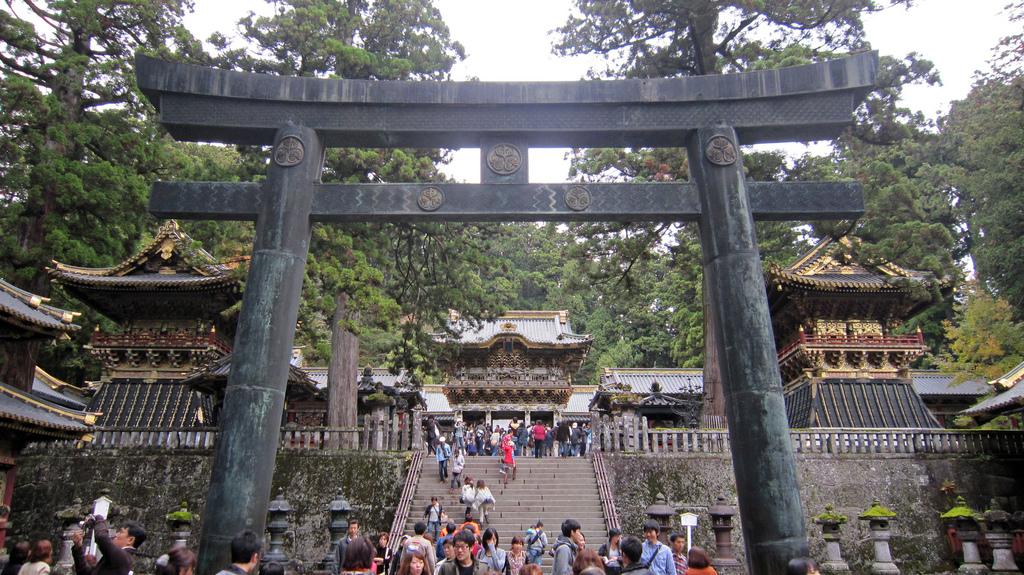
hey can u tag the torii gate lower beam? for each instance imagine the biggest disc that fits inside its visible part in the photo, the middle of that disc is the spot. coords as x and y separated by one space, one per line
300 116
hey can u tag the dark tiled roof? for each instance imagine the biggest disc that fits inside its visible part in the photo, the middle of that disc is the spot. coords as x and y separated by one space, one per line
938 383
165 404
538 327
27 311
640 380
214 377
874 404
25 412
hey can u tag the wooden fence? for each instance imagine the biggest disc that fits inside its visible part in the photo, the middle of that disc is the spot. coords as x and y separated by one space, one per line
611 435
373 435
632 434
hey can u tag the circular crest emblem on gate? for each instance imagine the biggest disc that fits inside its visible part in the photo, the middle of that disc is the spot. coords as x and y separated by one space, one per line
430 199
504 159
577 198
721 151
289 152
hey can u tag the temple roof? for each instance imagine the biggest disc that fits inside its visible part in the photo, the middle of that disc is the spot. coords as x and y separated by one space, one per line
831 266
932 383
1014 396
1010 378
861 403
161 404
642 379
56 391
550 329
213 378
32 414
381 375
25 315
579 401
435 400
169 264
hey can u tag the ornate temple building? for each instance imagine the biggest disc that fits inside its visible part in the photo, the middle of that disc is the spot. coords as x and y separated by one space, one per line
46 408
843 361
171 302
520 365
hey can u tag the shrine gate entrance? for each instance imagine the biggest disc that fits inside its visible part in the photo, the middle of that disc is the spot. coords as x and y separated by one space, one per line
710 115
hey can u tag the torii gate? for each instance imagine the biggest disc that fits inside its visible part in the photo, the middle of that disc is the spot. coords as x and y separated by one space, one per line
710 115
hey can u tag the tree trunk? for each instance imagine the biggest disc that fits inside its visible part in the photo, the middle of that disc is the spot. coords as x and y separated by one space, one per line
18 363
714 396
342 371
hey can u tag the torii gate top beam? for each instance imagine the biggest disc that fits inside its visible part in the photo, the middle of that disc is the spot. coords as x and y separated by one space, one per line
799 103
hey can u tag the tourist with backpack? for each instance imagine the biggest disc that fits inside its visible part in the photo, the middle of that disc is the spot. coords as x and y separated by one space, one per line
536 543
458 464
656 555
443 453
539 433
566 547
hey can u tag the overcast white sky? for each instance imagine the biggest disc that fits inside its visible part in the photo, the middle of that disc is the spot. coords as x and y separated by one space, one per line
511 41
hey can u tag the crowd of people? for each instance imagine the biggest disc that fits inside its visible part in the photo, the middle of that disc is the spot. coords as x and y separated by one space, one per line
463 549
573 439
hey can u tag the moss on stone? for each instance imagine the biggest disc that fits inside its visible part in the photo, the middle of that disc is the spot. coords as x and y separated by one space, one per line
830 516
961 511
877 511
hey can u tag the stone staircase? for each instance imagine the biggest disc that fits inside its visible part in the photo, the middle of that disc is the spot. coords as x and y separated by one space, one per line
550 489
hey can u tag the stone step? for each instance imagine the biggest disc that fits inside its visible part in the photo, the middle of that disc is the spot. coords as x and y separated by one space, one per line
534 499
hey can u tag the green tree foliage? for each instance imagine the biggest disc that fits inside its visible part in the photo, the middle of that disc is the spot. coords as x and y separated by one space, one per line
891 150
76 148
394 281
984 135
985 339
661 38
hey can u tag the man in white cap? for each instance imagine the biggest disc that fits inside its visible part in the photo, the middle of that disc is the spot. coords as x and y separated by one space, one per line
443 453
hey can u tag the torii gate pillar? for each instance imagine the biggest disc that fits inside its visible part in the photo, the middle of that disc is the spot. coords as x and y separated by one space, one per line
762 456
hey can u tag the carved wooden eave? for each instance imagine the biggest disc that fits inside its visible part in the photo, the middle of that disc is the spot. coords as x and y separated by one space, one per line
169 277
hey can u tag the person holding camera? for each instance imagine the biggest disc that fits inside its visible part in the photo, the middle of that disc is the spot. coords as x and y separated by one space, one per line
118 551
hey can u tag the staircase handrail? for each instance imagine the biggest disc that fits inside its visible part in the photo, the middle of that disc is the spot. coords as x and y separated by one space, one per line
611 516
412 479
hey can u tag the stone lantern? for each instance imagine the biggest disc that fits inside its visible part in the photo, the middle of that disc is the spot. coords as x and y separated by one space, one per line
338 512
997 532
69 519
831 527
880 520
179 524
277 524
662 513
965 521
721 522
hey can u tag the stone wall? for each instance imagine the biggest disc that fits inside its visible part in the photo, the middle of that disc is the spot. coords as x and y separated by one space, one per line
909 485
148 484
